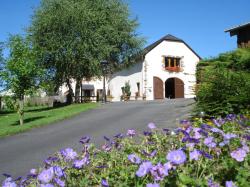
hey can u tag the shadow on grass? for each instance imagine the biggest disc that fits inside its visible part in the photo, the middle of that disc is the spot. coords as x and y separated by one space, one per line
27 120
5 112
48 108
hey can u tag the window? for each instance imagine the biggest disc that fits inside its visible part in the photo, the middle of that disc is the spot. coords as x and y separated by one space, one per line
172 64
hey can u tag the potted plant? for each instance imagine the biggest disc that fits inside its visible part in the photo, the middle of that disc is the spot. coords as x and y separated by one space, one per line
127 91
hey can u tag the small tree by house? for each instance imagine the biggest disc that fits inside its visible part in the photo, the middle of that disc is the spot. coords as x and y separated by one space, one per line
19 72
127 91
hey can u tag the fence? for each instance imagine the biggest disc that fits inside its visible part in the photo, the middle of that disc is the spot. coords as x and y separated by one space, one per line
37 101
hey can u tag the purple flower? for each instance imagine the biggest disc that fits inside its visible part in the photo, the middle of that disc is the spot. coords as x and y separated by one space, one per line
59 182
49 161
106 138
58 171
152 154
190 145
185 122
182 131
80 163
101 167
168 166
85 148
211 183
230 184
151 126
205 126
8 182
247 137
245 148
152 185
229 136
189 129
203 132
104 183
134 158
106 147
209 142
146 133
144 168
166 130
69 154
159 172
33 172
193 140
225 142
194 155
197 134
216 130
84 140
7 175
131 132
46 175
218 122
231 117
239 154
119 135
203 153
177 157
212 145
116 144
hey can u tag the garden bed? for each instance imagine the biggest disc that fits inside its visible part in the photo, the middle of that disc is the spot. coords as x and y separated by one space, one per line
215 153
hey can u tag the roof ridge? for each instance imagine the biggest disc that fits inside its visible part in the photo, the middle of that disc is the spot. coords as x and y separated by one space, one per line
167 37
237 26
170 36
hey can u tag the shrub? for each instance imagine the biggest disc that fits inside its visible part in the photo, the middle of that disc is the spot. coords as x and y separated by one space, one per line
127 89
224 83
211 154
9 102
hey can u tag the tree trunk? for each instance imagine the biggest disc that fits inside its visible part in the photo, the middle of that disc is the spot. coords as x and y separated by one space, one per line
70 94
20 110
77 90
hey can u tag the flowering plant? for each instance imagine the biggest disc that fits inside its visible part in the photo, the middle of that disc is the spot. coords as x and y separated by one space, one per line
174 69
215 153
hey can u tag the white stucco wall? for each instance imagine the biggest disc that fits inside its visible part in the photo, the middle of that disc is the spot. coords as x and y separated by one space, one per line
117 81
97 83
154 61
154 65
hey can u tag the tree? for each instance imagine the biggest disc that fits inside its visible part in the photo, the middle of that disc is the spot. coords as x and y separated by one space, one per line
73 36
1 61
20 71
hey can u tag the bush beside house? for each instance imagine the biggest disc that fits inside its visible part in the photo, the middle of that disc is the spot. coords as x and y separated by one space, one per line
224 83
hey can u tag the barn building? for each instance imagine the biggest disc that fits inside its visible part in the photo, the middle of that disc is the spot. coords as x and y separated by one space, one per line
167 70
243 34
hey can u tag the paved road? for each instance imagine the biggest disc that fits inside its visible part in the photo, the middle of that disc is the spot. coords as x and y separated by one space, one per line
22 152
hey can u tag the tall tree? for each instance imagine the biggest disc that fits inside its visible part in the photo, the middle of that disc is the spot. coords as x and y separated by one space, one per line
1 62
73 36
20 72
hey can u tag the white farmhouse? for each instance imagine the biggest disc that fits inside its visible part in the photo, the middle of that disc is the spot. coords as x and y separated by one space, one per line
167 70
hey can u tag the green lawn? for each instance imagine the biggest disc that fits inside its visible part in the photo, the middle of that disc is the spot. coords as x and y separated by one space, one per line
38 116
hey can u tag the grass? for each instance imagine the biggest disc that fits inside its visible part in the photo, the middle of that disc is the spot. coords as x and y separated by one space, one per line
38 116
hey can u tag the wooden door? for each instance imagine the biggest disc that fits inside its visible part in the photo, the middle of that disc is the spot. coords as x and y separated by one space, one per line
158 88
179 88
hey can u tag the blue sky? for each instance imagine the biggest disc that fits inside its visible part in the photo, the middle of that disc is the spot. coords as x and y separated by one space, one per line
200 23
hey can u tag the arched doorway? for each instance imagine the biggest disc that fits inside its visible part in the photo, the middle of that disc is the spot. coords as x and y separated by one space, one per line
174 88
158 88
